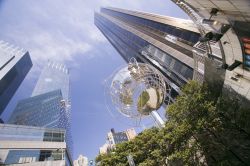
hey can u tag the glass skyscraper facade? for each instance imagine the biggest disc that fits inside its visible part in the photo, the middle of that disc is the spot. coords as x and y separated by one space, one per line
15 63
164 42
45 110
49 105
54 76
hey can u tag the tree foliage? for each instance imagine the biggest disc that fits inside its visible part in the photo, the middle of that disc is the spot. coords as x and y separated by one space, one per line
202 129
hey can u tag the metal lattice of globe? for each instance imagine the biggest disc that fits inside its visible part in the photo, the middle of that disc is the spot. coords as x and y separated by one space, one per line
136 90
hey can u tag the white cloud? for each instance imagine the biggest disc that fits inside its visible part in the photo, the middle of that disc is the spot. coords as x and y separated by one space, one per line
61 29
56 47
96 35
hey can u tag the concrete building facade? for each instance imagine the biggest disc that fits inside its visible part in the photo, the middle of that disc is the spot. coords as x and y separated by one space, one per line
114 138
229 20
26 145
81 161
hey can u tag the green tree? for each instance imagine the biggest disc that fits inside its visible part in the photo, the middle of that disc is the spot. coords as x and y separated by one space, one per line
216 133
203 128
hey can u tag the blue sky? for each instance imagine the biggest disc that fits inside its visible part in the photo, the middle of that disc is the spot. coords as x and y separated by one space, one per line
64 31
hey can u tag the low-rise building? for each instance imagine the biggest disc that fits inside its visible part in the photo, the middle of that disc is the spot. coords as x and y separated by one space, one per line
114 138
27 145
81 161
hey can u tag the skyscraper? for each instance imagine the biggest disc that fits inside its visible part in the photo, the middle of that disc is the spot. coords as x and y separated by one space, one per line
44 110
49 105
15 63
164 42
53 77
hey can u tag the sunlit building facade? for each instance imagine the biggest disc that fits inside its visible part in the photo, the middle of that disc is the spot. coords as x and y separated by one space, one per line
54 76
15 63
114 138
27 145
81 161
104 149
164 42
49 105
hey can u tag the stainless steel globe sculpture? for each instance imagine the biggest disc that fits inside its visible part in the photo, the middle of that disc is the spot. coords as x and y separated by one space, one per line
136 90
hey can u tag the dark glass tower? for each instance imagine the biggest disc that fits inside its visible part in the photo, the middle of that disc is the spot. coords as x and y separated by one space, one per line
49 105
15 63
164 42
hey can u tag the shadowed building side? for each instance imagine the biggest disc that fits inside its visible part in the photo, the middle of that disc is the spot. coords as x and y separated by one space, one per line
15 63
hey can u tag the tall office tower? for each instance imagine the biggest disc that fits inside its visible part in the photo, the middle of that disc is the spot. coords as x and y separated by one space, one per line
28 146
15 63
164 42
49 105
114 138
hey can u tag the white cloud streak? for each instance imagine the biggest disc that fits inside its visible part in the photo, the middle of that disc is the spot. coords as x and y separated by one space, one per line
60 30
